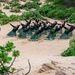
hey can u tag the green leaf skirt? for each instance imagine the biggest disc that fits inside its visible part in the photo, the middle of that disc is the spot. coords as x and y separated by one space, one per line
50 37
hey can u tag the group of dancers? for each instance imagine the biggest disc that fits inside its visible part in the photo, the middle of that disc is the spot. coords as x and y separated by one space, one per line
35 29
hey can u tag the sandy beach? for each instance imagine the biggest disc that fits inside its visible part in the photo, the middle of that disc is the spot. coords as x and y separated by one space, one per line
39 53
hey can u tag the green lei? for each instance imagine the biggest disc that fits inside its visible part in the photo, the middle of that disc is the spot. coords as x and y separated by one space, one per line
67 30
52 31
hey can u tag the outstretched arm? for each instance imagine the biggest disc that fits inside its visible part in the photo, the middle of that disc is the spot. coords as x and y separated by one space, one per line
26 20
21 24
65 27
58 24
12 25
69 25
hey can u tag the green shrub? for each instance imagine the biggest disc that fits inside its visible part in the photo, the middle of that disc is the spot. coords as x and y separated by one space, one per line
31 15
45 9
51 14
72 42
16 9
36 0
60 2
49 10
6 58
57 2
71 50
60 14
6 7
23 0
69 11
30 5
14 18
2 0
72 18
52 11
13 4
4 19
1 11
61 7
47 1
39 3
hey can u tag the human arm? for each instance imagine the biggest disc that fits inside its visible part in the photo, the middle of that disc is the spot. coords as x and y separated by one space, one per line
12 25
69 25
65 27
26 20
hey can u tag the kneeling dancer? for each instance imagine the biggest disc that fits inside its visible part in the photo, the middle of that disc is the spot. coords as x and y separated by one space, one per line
52 34
68 32
23 33
37 33
13 31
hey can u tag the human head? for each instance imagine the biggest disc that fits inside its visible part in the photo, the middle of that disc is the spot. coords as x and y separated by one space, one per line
55 22
17 26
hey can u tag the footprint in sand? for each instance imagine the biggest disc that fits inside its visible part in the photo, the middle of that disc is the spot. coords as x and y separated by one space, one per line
24 42
39 41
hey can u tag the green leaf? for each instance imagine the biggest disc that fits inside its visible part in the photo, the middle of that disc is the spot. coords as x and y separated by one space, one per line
2 48
0 60
7 59
16 53
9 46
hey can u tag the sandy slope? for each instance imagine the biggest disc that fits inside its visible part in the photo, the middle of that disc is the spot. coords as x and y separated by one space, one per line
38 53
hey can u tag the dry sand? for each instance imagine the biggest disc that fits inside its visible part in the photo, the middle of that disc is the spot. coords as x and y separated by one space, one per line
40 54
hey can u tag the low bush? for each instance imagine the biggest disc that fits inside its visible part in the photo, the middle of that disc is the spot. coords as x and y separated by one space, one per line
31 15
1 11
45 9
36 0
53 11
2 0
72 42
6 7
57 2
60 14
14 18
51 14
69 11
16 9
23 0
4 19
30 5
71 50
72 18
13 4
